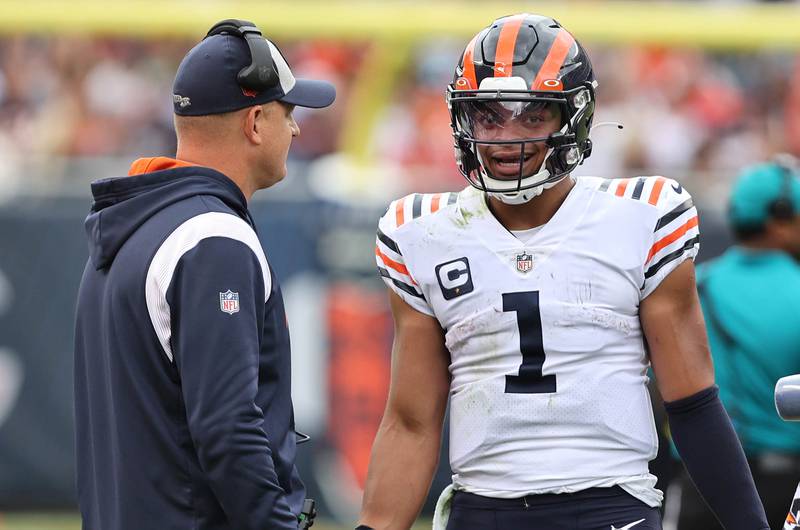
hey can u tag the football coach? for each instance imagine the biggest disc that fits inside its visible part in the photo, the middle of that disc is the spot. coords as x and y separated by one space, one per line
183 403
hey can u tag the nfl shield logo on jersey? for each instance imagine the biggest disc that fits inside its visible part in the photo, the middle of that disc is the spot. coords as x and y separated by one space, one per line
524 262
229 302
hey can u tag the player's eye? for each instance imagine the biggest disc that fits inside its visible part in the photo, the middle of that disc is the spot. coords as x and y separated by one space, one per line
533 118
487 119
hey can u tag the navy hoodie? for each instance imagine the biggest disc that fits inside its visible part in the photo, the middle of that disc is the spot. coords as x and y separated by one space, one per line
182 367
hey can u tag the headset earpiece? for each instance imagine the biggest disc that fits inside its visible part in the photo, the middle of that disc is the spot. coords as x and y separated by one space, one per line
261 74
783 207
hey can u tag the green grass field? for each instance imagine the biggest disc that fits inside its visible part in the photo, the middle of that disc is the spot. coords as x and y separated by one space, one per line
28 521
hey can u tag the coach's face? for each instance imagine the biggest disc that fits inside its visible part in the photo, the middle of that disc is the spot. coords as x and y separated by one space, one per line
513 121
276 128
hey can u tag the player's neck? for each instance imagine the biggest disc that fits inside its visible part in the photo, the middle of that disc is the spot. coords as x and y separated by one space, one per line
535 212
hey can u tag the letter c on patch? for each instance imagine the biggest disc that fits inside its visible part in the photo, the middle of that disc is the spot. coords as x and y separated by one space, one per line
454 278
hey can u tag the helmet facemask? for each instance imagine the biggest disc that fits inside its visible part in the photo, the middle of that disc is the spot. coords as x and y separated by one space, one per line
499 134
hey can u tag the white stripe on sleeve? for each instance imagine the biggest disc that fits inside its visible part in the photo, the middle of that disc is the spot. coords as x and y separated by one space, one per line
183 239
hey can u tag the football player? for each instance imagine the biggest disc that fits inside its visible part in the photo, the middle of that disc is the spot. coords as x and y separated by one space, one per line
537 301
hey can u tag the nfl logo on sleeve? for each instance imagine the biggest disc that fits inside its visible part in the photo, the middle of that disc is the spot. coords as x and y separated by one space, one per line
229 302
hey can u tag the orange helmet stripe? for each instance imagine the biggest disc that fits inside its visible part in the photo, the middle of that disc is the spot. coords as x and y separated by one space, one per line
506 42
554 60
469 66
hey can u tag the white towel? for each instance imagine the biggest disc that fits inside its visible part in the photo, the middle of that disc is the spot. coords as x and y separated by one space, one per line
442 512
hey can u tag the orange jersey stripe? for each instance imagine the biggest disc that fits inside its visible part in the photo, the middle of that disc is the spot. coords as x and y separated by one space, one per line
656 192
506 42
621 187
389 262
469 66
435 202
671 238
554 61
400 212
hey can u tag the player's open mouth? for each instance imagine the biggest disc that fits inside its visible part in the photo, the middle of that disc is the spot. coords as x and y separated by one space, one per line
507 164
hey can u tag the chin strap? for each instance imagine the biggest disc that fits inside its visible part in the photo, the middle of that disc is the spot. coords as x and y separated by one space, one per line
523 196
517 197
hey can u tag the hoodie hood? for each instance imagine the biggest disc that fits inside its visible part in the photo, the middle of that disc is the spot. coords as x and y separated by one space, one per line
121 205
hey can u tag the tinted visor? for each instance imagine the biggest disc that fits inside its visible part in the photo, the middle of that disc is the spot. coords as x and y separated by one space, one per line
498 120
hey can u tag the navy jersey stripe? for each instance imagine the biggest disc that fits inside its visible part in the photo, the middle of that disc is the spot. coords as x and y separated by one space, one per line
452 198
674 214
637 191
416 210
400 285
388 242
671 256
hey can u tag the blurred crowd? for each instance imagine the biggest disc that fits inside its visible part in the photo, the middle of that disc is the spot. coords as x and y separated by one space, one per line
687 113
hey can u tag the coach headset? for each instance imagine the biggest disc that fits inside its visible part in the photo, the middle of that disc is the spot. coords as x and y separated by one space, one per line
783 207
261 74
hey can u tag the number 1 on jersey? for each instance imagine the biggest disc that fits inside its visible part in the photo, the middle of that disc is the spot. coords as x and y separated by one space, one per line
529 321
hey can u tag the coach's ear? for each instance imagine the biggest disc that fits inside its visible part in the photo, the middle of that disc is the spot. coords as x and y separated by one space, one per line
252 124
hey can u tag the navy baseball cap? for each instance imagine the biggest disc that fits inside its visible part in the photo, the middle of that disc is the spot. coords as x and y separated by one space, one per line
208 78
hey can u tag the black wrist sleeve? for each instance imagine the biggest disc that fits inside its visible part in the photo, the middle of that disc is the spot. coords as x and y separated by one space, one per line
713 456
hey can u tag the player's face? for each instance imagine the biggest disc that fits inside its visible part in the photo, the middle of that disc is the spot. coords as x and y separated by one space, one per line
513 121
279 128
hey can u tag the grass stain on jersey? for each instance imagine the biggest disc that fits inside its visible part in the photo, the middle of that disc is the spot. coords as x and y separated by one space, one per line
467 214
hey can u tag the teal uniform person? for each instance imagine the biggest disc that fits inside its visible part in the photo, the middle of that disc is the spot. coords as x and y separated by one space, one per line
751 302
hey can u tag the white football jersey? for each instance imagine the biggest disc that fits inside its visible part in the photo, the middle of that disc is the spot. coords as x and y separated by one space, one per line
547 356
